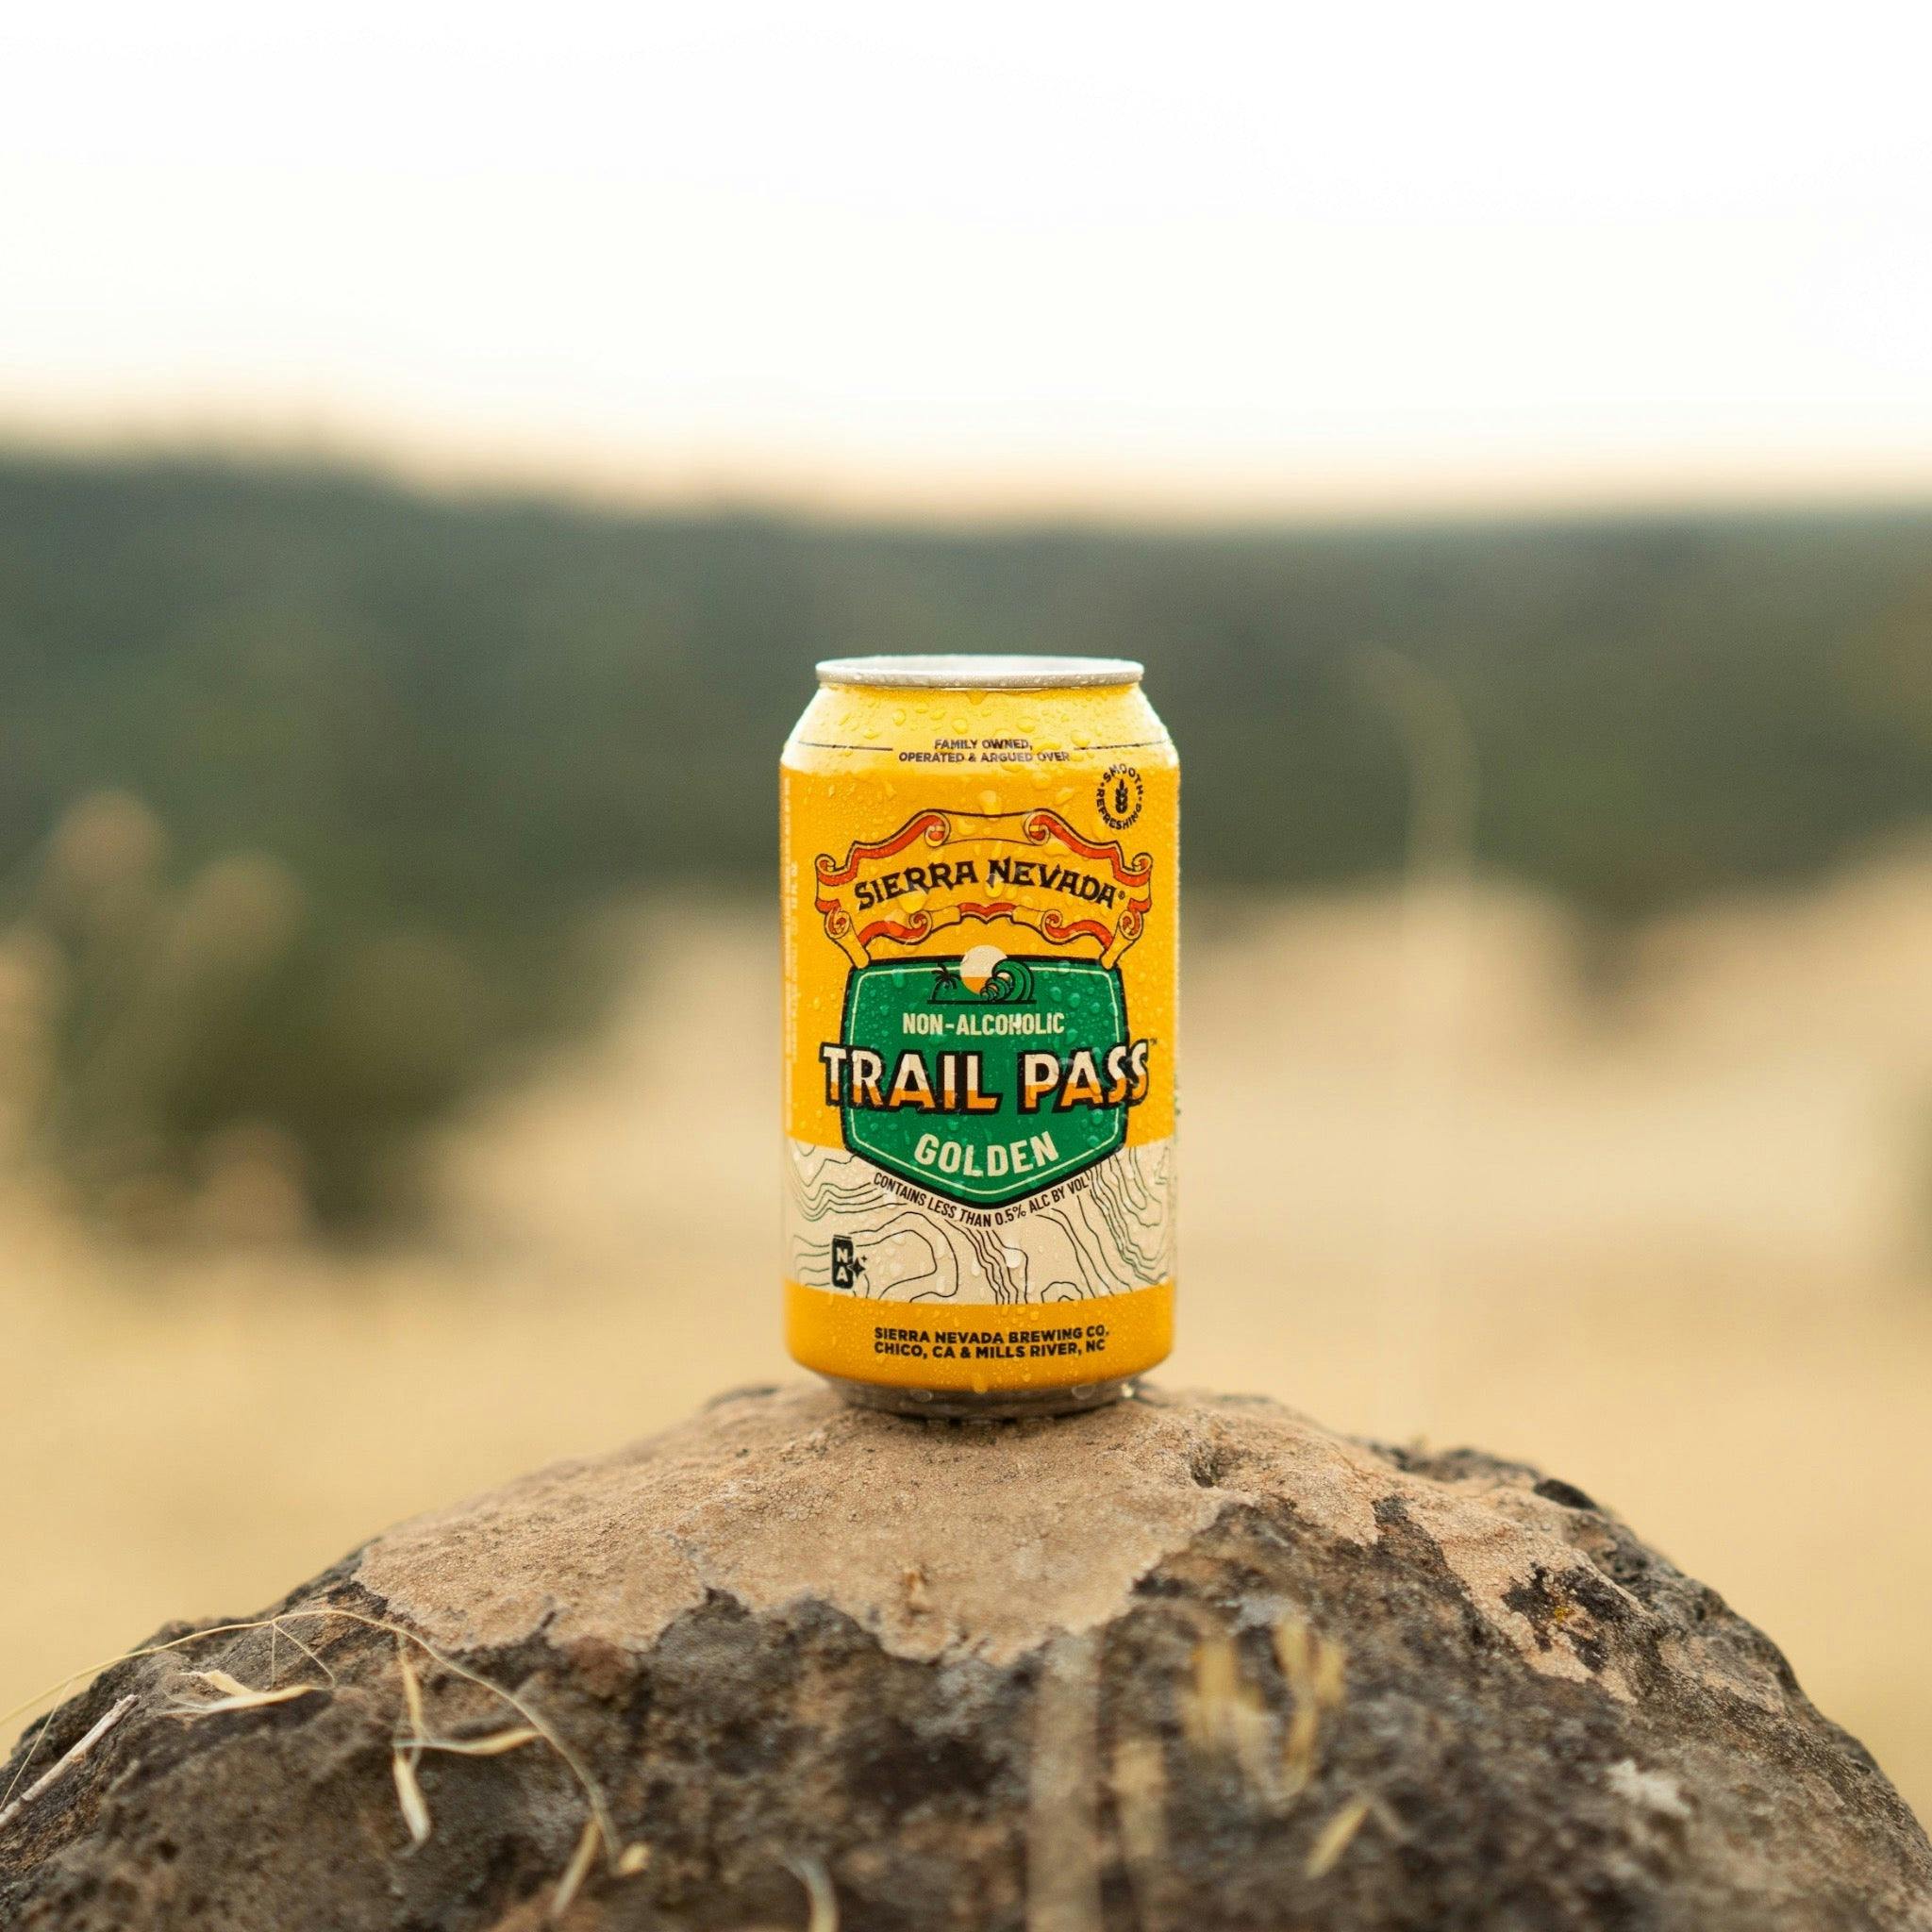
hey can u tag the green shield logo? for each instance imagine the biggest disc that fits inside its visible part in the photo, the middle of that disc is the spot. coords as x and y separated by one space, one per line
982 1040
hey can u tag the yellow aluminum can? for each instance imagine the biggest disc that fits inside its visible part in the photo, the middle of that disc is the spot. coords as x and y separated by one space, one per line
980 882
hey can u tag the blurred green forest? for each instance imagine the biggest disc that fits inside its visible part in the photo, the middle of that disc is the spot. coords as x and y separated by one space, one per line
365 761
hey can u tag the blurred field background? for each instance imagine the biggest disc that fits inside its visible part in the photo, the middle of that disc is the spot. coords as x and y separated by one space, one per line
434 447
390 1007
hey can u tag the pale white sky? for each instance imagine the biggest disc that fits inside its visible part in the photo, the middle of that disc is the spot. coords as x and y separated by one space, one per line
1284 255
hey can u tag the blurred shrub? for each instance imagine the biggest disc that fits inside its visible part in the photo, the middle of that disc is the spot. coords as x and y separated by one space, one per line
203 1053
438 733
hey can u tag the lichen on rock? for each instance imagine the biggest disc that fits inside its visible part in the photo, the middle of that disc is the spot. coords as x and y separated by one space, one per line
1190 1661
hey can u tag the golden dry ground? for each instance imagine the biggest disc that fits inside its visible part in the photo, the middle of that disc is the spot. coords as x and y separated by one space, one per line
1671 1239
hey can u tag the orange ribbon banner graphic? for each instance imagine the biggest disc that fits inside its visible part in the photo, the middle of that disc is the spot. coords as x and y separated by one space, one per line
943 868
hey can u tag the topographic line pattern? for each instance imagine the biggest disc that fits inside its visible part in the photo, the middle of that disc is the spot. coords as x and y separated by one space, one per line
1108 1231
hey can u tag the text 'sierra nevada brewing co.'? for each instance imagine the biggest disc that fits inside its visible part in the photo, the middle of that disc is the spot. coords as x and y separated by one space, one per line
981 918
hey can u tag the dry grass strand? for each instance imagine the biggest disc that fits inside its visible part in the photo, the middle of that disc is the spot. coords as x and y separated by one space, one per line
68 1759
1334 1838
415 1806
581 1860
493 1745
229 1687
605 1826
811 1872
1140 1794
314 1656
235 1696
1314 1669
412 1689
1224 1712
1139 1790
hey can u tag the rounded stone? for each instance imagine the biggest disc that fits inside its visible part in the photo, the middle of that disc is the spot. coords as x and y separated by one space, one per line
1191 1662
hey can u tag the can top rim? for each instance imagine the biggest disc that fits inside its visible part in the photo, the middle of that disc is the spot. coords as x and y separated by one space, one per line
979 672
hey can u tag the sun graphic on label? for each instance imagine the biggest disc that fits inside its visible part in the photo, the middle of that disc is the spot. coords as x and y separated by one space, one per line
979 965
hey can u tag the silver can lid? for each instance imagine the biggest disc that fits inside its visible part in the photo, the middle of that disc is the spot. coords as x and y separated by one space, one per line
972 673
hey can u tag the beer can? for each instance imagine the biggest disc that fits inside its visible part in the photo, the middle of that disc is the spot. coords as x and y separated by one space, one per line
979 879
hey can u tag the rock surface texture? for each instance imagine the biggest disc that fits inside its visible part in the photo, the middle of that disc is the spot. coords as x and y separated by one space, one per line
1191 1662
